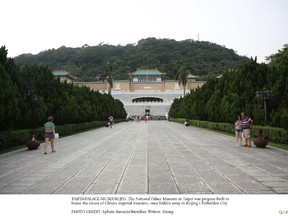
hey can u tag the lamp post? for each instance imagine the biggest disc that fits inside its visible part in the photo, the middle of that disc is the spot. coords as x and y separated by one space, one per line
31 103
264 95
29 98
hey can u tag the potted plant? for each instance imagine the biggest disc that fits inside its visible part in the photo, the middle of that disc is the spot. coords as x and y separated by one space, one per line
33 143
187 123
261 141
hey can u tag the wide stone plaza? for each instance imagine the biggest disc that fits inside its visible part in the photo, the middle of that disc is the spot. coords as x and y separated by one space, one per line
157 157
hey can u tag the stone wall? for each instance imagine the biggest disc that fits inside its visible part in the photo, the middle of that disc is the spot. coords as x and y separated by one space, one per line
156 108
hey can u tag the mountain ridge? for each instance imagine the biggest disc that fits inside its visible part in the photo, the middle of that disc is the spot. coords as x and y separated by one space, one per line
88 62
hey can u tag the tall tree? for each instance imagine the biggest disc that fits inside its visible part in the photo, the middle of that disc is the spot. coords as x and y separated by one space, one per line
9 94
107 75
278 81
31 93
182 74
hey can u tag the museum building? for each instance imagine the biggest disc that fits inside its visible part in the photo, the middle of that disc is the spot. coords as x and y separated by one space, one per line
147 92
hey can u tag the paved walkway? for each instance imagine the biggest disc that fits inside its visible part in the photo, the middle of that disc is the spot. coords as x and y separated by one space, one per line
157 157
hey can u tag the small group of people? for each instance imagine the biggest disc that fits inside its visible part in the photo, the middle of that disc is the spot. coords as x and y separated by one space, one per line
138 118
243 126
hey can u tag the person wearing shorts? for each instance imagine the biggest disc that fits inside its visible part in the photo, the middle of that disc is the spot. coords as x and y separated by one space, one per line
238 130
49 134
247 125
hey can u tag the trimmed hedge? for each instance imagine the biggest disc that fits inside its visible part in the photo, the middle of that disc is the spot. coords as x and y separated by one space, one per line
12 138
278 135
19 137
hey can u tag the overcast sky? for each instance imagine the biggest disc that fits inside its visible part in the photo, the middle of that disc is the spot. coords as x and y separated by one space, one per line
250 27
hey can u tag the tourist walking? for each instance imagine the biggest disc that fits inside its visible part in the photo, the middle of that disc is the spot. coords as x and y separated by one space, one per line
49 135
247 125
145 118
238 130
110 119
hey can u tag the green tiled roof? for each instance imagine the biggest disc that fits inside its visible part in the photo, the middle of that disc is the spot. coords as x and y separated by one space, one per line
63 73
59 73
147 72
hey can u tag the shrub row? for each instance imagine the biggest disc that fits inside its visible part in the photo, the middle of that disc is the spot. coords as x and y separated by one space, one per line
13 138
19 137
278 135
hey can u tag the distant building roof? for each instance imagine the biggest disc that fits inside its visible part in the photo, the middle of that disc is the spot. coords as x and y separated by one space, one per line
63 73
190 76
147 72
60 73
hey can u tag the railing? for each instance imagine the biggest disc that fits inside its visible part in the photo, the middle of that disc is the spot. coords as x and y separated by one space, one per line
147 92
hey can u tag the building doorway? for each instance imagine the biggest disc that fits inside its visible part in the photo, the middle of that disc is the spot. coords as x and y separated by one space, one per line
147 112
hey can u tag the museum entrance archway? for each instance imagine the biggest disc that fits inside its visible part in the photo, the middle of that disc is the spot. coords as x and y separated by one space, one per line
147 100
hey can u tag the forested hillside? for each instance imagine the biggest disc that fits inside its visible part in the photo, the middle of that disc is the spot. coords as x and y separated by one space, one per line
220 100
88 62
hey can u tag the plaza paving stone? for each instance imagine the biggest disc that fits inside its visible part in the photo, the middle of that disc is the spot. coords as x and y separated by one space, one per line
157 157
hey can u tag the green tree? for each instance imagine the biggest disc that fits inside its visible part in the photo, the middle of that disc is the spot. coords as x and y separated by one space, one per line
9 94
9 97
35 93
87 62
221 99
182 74
278 83
108 75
